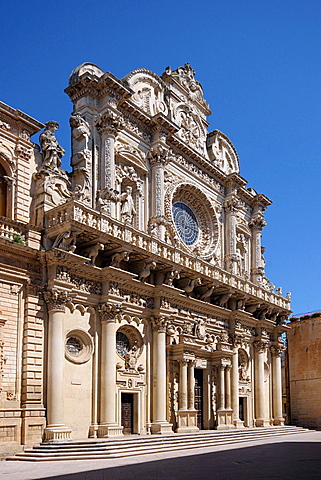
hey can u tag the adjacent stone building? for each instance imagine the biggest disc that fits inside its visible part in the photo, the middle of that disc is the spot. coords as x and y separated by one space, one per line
304 353
134 298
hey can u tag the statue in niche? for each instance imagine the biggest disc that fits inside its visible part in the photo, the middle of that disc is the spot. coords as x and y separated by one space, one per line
51 150
127 206
131 358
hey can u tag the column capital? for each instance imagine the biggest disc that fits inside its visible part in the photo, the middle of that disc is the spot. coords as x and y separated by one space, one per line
159 324
277 350
110 312
257 222
109 123
183 362
158 155
260 347
231 204
56 299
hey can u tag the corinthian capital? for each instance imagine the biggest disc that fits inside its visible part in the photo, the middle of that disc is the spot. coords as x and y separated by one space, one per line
276 350
159 323
231 204
257 222
110 312
109 123
158 155
260 347
56 299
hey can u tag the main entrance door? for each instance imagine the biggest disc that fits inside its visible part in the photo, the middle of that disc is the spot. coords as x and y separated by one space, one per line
127 401
198 396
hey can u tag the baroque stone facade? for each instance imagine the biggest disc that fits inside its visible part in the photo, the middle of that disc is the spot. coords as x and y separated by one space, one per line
134 293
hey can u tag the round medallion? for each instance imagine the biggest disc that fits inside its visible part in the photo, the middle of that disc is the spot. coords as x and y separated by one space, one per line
78 346
186 223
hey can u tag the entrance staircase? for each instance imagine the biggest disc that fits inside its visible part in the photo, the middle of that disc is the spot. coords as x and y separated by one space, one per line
91 449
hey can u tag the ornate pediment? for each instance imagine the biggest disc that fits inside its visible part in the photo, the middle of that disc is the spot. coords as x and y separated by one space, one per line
148 91
222 152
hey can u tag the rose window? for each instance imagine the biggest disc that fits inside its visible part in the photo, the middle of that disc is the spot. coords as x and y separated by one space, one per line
186 223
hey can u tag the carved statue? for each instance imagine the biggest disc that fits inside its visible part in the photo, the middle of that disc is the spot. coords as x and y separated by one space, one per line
65 241
127 205
188 289
80 127
51 150
148 266
131 358
207 294
224 299
279 290
171 276
92 252
119 257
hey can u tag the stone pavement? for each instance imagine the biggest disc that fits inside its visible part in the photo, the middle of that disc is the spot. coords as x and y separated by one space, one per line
285 458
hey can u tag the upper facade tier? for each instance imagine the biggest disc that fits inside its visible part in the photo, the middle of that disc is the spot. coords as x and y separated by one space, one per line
144 163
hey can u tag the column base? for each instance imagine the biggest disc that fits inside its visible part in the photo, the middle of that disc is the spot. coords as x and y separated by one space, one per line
162 428
224 420
238 423
187 421
262 422
113 430
279 421
57 434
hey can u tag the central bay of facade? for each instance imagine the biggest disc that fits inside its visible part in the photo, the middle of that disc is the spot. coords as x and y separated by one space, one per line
161 318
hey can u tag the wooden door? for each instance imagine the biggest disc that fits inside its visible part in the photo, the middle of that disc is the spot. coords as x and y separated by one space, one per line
127 402
198 396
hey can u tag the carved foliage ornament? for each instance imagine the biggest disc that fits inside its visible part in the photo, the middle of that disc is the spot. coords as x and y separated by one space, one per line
56 299
110 312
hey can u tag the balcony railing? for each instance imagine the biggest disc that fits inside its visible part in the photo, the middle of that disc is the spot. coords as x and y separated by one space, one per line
77 214
20 233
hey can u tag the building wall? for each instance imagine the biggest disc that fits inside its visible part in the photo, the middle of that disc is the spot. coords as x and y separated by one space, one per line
304 345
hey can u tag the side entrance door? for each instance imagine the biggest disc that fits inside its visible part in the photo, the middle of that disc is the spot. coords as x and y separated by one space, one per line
198 396
127 402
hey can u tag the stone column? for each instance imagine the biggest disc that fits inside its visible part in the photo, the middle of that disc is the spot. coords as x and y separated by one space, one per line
191 385
158 157
235 388
228 387
183 384
108 426
159 422
257 268
231 206
276 352
56 429
260 349
108 125
221 403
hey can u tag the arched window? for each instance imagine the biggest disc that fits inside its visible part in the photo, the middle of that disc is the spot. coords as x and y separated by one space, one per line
3 192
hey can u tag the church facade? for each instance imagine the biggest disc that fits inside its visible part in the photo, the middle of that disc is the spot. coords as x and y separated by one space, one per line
134 297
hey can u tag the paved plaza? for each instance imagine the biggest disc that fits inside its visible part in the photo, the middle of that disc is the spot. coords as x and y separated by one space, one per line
285 458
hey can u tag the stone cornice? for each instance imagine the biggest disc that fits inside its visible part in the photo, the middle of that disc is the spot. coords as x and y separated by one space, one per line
17 115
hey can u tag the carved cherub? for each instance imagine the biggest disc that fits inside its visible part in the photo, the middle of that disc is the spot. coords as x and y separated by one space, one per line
65 241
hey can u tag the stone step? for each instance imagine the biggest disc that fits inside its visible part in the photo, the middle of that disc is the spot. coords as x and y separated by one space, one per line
85 450
161 441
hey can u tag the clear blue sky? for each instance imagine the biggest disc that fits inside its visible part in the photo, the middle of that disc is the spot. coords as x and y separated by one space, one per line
259 64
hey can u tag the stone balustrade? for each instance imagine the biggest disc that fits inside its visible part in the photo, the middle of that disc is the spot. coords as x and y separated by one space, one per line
78 214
